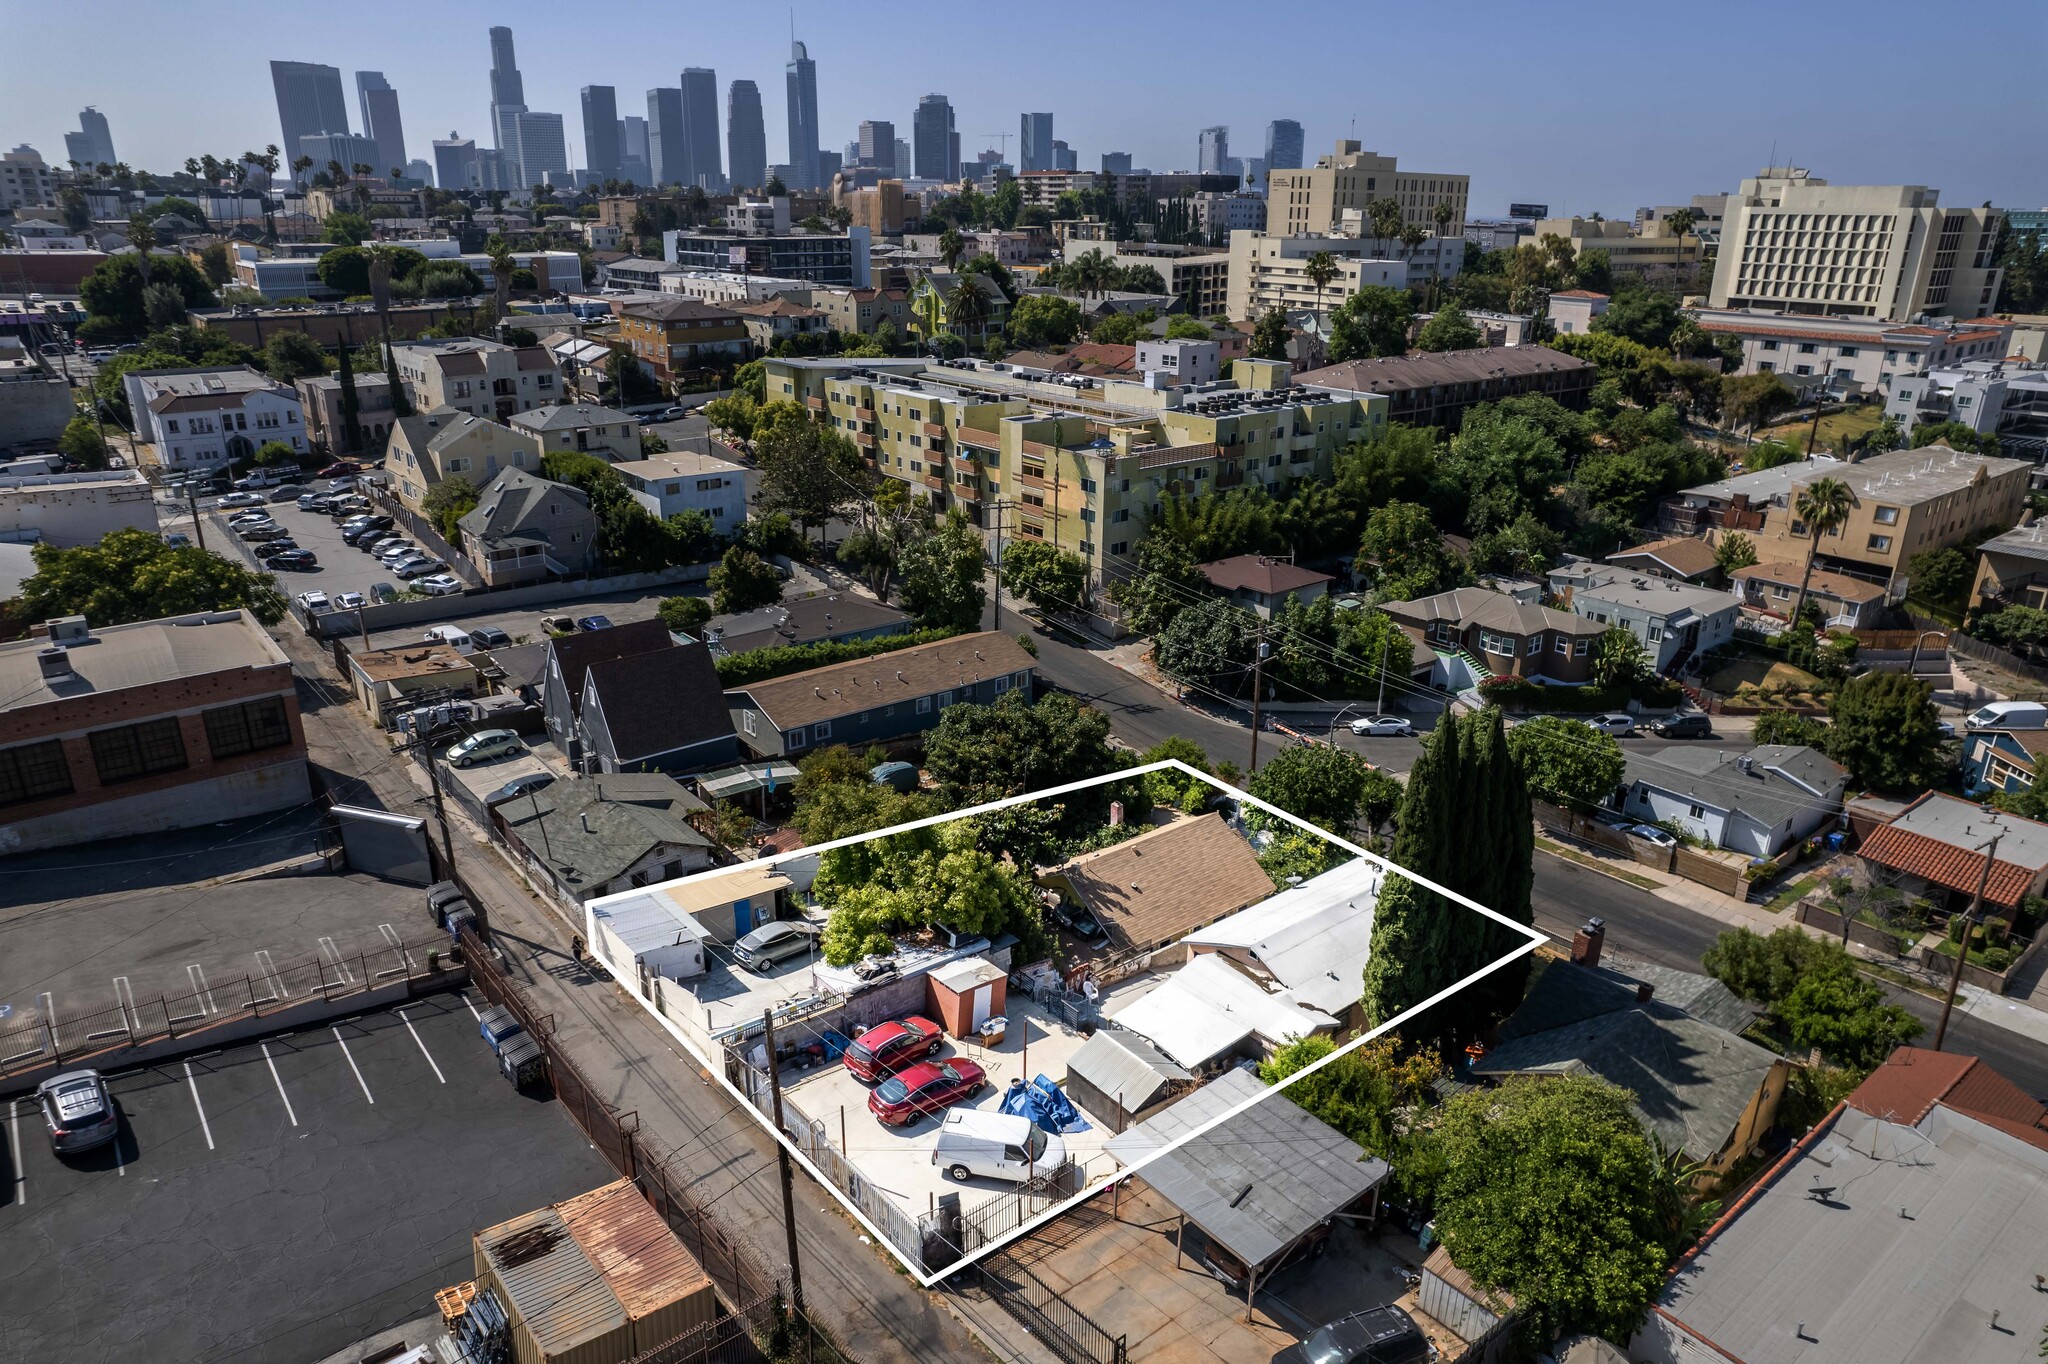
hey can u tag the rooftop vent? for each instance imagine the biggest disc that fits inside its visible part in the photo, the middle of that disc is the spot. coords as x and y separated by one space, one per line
55 662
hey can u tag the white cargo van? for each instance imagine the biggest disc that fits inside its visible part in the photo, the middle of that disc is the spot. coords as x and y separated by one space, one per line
454 636
995 1146
2009 715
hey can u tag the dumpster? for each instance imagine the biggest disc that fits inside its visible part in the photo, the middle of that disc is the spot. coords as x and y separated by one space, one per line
498 1027
459 919
523 1062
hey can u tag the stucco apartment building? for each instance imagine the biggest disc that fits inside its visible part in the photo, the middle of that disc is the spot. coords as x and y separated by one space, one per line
675 336
1855 356
196 418
1902 503
1085 467
1312 199
1268 271
1196 274
683 480
863 310
320 400
133 729
1435 390
482 378
74 508
2012 569
1651 250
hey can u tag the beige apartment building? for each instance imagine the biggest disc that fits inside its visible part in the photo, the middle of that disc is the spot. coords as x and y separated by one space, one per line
1791 241
1194 273
482 378
1267 272
428 447
1082 466
1651 250
1312 199
1903 502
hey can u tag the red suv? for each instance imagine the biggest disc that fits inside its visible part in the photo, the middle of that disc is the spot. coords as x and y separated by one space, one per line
886 1048
927 1087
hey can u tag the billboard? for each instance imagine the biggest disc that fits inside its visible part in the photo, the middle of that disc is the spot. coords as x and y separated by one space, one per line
1531 211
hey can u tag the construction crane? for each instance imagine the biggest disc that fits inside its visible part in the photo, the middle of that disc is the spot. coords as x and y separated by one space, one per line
1002 143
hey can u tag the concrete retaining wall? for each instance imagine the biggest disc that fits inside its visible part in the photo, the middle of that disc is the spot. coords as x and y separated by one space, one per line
331 624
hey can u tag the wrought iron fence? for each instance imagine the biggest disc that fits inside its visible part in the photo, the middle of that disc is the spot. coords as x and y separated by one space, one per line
1039 1308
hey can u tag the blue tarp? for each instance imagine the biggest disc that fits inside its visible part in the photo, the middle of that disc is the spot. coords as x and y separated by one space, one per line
1045 1104
835 1044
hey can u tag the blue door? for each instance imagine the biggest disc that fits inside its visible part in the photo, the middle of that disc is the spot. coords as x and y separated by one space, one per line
742 918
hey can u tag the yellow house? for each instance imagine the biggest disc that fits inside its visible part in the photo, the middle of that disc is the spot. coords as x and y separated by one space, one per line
431 446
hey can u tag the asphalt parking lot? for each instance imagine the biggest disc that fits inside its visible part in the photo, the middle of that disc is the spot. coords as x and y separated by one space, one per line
341 567
278 1200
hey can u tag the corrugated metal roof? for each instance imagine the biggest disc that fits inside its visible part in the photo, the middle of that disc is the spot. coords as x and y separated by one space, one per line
633 1249
647 921
557 1293
1124 1066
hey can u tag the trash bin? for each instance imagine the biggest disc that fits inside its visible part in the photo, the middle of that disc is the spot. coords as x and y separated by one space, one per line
994 1030
498 1027
523 1062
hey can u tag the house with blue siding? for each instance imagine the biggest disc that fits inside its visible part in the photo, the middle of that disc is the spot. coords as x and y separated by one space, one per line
2001 759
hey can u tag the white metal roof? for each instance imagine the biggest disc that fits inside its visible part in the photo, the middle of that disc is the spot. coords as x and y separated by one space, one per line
1313 938
963 975
646 922
1207 1007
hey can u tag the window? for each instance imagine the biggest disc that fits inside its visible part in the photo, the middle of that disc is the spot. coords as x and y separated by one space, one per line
1656 634
945 699
172 426
1807 348
1087 485
796 737
747 721
1120 547
1879 544
1496 644
1535 645
33 771
1770 345
1579 647
1886 516
1846 352
1766 367
1002 685
247 728
138 750
821 731
1564 646
924 705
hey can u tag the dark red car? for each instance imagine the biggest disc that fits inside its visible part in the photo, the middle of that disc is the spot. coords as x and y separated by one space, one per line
339 468
888 1047
927 1087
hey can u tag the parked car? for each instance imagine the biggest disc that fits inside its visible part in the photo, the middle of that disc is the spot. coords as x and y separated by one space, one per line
258 479
270 549
1653 835
1945 728
242 500
558 625
1077 919
1690 724
1382 726
520 786
382 593
345 508
78 1111
266 531
1618 724
341 485
593 623
772 942
314 502
353 534
250 518
673 414
1378 1335
483 746
2009 715
394 548
373 540
177 539
348 601
454 636
418 568
338 468
888 1047
313 601
439 584
1006 1146
295 558
489 637
289 492
927 1087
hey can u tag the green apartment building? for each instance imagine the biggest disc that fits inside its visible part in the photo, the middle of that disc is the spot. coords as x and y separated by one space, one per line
1082 463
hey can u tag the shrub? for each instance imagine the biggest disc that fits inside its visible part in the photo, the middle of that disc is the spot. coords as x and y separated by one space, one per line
759 665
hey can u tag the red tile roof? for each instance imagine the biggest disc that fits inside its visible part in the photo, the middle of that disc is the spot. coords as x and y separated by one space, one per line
1945 864
1913 1080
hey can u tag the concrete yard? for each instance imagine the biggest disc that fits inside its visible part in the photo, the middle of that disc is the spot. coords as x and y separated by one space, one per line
898 1160
278 1200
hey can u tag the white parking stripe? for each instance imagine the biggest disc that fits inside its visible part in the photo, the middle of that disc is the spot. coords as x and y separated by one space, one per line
124 995
200 988
204 1125
340 967
352 1064
49 1010
397 944
280 1085
423 1047
14 1140
277 985
472 1008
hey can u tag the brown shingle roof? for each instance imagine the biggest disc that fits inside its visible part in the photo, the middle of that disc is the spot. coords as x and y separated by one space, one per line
848 688
1156 888
1257 573
1824 583
1682 554
1400 373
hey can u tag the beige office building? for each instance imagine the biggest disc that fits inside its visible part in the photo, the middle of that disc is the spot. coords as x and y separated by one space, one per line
1312 199
1649 250
1795 243
1271 272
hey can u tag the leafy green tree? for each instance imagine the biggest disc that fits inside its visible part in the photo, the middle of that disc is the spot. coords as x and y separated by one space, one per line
742 581
1330 787
1956 436
1406 552
447 502
1050 578
290 355
1769 454
1790 727
1165 577
1181 327
1525 548
1398 463
942 575
684 615
1736 550
733 414
1449 329
1940 575
1814 995
1177 790
885 886
1619 659
133 575
807 470
1218 525
275 453
1752 400
1372 322
346 229
1551 1191
345 269
1465 791
1645 316
1207 645
1567 762
1295 857
984 753
1269 337
1041 320
1882 728
114 293
1375 1095
82 444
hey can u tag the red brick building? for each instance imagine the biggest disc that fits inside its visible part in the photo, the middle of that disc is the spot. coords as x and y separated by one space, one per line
138 728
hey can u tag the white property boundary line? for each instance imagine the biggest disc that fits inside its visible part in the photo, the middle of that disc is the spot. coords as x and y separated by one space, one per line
715 1066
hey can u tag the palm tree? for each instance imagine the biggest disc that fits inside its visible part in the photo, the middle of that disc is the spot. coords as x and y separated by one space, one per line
1680 221
1385 217
1320 269
952 248
1443 215
502 266
1823 505
966 306
361 182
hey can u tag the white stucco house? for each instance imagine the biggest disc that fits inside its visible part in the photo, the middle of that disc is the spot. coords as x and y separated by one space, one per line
198 418
1674 620
1757 803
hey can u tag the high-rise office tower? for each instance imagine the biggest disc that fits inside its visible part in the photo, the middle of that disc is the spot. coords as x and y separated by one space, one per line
1064 158
508 91
1283 145
455 162
829 165
92 143
700 129
878 144
420 169
902 158
667 148
1034 142
1116 163
1215 150
381 123
543 149
601 131
310 102
746 138
801 76
634 163
931 129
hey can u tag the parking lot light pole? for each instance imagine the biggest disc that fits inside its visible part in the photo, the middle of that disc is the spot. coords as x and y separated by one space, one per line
796 1277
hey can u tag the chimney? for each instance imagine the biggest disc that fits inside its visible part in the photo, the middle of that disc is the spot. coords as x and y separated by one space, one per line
1116 814
1587 941
55 662
1643 991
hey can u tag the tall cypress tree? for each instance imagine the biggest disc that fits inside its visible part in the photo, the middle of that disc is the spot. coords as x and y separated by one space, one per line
401 406
351 428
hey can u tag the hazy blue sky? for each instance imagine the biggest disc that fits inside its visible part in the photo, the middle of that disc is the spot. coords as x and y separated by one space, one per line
1583 106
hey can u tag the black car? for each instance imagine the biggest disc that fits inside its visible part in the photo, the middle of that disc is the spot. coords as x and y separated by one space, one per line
1077 919
518 786
294 558
270 549
354 534
489 637
1691 724
370 541
1378 1335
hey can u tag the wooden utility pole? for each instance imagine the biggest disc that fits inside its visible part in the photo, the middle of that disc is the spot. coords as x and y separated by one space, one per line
796 1277
1258 691
1955 977
192 504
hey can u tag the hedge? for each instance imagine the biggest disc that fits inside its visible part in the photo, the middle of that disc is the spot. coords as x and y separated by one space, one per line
758 665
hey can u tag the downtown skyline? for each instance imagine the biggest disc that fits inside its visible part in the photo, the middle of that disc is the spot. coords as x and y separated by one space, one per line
1575 144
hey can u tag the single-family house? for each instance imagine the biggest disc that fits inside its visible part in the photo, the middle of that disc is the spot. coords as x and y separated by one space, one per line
1150 891
1936 847
524 528
1758 802
1674 621
876 700
659 710
387 681
585 428
815 618
687 480
771 321
2002 759
608 833
1308 943
1773 589
1262 585
2012 568
432 446
1686 558
1476 633
570 657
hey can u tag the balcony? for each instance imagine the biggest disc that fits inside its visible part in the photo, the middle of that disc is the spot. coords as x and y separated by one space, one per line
966 464
862 438
815 404
866 414
1230 478
936 482
982 440
935 431
967 492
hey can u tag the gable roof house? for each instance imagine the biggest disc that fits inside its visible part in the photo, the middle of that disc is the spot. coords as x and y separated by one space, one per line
608 833
1262 585
1683 557
1772 589
1674 621
443 442
1759 802
524 529
662 710
2002 759
1150 891
1477 633
875 700
818 617
586 428
570 657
